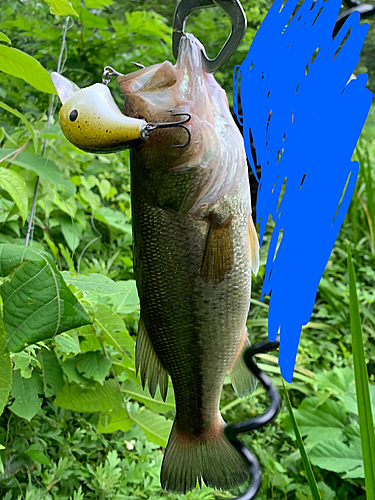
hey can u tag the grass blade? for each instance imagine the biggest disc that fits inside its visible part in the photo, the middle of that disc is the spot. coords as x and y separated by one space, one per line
366 422
305 459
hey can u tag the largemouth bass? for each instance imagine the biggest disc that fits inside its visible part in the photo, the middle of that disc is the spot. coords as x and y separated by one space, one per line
194 248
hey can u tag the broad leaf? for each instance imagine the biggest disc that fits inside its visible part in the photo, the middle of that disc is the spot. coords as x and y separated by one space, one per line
93 365
318 423
19 64
25 392
128 301
46 169
155 404
15 185
114 331
52 375
61 8
67 344
5 369
37 455
116 420
337 381
350 400
156 427
37 303
103 398
336 456
70 369
113 218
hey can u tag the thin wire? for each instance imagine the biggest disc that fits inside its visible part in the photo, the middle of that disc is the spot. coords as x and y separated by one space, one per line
30 226
89 243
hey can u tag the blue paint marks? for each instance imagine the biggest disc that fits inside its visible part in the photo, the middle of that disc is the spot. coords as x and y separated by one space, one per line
305 119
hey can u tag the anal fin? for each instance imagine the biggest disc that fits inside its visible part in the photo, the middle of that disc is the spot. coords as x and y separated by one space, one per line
148 363
243 381
218 252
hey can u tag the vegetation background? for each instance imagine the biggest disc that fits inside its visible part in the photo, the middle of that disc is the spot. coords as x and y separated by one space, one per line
77 424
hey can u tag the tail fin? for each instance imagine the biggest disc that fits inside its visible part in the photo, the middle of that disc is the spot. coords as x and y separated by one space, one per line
209 457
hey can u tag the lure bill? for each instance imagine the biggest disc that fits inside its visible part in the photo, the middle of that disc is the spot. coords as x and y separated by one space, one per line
195 247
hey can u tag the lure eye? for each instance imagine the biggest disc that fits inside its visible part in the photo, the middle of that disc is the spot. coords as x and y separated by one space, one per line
73 115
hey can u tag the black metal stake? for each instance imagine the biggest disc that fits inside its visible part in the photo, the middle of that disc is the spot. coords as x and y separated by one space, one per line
255 423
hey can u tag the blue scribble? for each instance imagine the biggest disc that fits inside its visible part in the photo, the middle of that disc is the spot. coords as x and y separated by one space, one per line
305 120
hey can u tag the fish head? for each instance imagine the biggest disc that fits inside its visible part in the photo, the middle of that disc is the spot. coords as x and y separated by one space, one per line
160 92
91 120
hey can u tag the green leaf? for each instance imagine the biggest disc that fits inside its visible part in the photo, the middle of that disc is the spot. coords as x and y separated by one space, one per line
336 456
15 185
67 344
306 463
72 232
46 169
113 218
5 369
350 400
366 422
97 4
37 455
52 375
102 398
15 112
116 420
4 38
127 301
156 427
155 404
318 423
114 330
17 63
93 365
37 303
61 8
70 369
98 284
25 392
337 381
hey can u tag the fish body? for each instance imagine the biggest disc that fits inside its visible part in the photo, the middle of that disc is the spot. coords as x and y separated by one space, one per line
194 248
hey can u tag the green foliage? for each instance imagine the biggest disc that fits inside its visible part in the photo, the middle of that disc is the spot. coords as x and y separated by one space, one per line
77 423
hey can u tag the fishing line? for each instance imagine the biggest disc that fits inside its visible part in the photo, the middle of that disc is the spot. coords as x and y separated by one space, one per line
30 226
258 422
89 243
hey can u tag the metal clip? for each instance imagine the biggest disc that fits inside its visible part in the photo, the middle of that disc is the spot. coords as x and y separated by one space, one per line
236 14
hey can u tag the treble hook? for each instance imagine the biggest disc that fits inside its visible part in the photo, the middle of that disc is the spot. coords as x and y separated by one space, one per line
232 8
256 423
150 127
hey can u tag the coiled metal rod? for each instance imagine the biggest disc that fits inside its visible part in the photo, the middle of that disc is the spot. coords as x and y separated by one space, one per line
255 423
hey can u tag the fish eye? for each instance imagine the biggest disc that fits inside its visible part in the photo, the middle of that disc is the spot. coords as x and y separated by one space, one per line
73 115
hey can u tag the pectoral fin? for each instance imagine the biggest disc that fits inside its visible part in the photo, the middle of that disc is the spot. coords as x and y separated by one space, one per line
243 381
218 253
148 363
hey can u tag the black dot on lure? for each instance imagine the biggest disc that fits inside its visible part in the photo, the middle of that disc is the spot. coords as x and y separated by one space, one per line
73 115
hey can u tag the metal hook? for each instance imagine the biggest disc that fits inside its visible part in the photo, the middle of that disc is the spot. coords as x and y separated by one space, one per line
150 127
236 14
108 72
256 423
